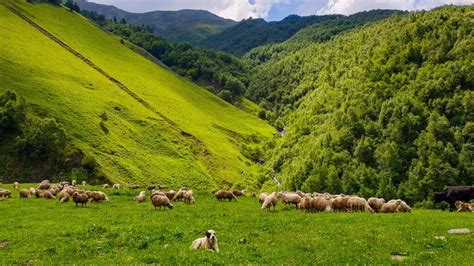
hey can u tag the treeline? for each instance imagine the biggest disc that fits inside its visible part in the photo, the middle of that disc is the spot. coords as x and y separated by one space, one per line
33 147
251 33
223 74
385 110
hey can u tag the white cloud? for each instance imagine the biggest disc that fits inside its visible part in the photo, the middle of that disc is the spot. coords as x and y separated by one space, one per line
347 7
233 9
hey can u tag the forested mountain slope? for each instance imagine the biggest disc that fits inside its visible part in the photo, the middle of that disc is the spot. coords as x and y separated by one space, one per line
385 110
175 26
132 120
251 33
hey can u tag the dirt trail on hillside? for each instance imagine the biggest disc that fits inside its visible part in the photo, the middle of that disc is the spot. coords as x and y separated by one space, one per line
94 66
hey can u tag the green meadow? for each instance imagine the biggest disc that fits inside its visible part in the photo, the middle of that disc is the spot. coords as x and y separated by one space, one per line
40 231
195 140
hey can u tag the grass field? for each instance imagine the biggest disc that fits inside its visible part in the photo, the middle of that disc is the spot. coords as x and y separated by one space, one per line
124 232
140 145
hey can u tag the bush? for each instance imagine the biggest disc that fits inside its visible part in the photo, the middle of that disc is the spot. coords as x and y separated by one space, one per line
12 112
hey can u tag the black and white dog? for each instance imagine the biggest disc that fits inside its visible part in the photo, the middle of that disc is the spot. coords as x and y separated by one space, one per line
208 242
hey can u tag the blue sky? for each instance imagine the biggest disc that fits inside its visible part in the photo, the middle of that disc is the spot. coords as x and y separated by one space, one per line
277 9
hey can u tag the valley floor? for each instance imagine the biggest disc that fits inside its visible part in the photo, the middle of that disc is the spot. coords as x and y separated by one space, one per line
123 232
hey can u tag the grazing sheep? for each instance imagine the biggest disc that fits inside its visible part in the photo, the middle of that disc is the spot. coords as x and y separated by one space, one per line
170 194
63 196
300 193
340 203
321 203
463 207
151 187
16 185
376 204
84 183
156 192
261 197
105 186
188 197
269 202
238 193
305 203
161 201
25 193
134 186
289 198
48 195
96 196
116 186
225 195
358 204
38 193
73 182
81 198
180 194
394 206
254 194
5 193
44 185
140 198
208 242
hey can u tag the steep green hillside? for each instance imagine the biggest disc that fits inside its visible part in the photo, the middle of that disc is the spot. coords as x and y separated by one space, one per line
384 110
316 33
159 128
176 26
252 33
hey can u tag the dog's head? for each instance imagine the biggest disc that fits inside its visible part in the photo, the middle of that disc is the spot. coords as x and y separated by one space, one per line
211 235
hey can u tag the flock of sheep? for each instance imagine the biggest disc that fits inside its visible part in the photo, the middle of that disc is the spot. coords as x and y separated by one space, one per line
329 203
326 202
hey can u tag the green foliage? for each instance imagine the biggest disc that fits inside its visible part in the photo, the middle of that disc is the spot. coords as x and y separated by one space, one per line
383 110
218 70
72 5
12 113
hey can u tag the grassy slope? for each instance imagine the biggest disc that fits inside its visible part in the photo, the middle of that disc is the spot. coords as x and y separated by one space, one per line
140 145
121 231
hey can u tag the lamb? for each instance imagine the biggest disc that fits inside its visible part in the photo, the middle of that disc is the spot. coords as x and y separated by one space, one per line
225 195
25 193
170 194
105 186
180 194
80 198
140 198
376 204
188 197
96 196
358 204
463 207
116 186
289 198
269 202
161 201
5 193
16 185
261 197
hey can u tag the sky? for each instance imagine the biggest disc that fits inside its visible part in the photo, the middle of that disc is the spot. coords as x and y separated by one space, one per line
277 9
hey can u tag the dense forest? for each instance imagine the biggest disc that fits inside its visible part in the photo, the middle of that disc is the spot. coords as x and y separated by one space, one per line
219 72
251 33
385 110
